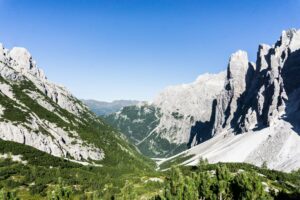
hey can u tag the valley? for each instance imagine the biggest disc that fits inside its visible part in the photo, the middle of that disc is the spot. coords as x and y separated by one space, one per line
230 135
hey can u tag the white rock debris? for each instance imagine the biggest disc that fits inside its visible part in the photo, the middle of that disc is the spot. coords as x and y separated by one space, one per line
6 90
277 145
15 158
40 100
1 110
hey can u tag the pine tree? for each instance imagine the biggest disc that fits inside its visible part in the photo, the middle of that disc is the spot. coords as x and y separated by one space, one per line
248 186
190 189
204 186
7 195
60 191
128 192
264 165
202 162
222 184
176 183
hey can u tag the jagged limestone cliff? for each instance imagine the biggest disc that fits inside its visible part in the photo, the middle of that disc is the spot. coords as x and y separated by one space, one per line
257 113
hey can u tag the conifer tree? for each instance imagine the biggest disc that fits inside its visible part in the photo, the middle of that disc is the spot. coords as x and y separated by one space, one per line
7 195
128 192
264 165
190 190
176 183
204 185
248 186
222 184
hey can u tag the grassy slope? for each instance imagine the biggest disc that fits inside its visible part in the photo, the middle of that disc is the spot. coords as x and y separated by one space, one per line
43 173
118 152
122 161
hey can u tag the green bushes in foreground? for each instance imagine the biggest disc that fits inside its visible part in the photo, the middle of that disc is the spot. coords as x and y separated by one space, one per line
219 184
65 180
222 181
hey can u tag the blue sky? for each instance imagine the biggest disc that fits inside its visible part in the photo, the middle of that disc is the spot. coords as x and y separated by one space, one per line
132 49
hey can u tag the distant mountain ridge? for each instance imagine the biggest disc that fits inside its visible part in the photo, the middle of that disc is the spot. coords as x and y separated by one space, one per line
101 108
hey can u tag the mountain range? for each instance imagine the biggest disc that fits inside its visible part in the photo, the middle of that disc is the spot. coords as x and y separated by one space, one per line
102 108
218 128
249 113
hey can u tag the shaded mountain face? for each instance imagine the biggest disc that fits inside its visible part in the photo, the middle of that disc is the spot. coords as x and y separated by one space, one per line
102 108
46 116
256 96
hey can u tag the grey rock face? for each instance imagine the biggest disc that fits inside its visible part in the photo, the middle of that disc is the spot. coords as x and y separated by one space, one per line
239 74
256 95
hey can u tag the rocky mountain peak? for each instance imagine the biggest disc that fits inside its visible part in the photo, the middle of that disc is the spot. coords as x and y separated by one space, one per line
18 64
237 71
3 53
239 74
291 38
239 55
22 61
21 57
261 63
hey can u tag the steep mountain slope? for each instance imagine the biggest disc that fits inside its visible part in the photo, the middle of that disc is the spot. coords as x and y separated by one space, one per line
38 113
163 127
188 105
257 112
276 146
258 100
101 108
